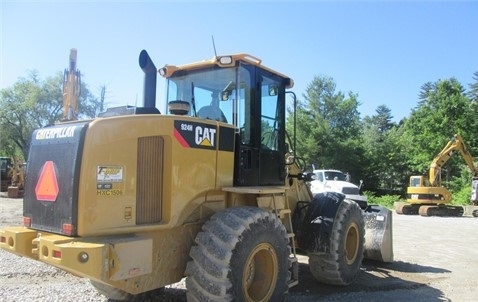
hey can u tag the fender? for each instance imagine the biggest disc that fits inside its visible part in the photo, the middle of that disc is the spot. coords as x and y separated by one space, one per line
316 228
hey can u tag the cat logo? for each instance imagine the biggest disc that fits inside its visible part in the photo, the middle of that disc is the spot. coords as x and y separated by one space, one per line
195 135
205 136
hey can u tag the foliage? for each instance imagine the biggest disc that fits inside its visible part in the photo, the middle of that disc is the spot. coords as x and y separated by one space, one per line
444 110
473 92
462 196
473 95
328 128
382 146
384 200
460 186
32 103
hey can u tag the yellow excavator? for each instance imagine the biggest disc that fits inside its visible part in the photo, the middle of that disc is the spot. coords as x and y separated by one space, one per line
426 196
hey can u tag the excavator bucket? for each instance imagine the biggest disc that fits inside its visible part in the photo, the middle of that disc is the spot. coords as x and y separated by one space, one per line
378 234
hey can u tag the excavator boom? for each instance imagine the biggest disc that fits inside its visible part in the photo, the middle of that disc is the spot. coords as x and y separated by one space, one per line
455 144
71 89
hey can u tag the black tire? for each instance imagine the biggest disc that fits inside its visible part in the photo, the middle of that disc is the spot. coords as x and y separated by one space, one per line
234 248
342 265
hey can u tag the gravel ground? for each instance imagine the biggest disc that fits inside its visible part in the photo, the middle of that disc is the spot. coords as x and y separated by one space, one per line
435 260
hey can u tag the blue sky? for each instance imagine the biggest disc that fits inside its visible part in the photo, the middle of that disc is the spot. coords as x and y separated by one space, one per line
382 50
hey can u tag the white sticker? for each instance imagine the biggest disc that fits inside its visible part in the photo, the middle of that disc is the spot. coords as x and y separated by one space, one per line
108 173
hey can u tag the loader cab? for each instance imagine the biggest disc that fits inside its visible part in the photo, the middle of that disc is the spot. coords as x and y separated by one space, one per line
237 90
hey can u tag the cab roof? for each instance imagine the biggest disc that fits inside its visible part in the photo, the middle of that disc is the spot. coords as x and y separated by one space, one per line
222 61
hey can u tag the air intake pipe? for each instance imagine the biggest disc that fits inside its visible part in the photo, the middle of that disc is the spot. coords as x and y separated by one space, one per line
149 90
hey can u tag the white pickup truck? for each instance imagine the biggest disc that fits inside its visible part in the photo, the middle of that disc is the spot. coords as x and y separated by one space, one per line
337 181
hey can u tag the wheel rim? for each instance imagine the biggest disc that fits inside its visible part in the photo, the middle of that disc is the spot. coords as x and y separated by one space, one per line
260 273
352 243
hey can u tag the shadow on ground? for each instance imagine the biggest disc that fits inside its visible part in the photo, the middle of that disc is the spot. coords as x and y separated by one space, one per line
375 277
374 280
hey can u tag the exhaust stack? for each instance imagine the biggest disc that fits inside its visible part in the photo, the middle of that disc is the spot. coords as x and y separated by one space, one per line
149 90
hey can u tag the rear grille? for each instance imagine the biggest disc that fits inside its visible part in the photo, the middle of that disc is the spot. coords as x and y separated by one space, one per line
149 185
350 191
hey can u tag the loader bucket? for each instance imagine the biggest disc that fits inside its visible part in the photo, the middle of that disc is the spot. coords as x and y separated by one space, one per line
378 234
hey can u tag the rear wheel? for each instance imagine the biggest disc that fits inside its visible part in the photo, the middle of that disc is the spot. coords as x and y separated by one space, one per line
342 264
242 254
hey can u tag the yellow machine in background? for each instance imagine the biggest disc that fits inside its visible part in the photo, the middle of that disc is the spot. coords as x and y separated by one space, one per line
427 196
17 185
5 173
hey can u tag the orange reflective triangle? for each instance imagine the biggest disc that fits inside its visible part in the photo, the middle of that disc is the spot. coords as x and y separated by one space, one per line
47 185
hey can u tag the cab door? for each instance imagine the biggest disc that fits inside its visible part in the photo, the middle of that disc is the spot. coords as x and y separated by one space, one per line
261 122
272 131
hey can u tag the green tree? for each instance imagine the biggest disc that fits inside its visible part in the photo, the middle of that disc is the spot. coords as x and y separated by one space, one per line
444 110
473 92
328 128
384 160
383 119
32 103
473 95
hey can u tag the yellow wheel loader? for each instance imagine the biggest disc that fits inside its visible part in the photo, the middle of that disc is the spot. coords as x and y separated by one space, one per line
206 189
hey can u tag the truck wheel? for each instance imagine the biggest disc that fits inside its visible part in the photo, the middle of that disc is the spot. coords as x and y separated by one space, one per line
342 264
242 254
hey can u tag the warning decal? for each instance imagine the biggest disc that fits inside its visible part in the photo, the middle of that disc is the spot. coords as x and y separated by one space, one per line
47 185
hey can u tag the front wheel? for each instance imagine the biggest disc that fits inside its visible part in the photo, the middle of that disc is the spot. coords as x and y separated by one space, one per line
242 254
342 264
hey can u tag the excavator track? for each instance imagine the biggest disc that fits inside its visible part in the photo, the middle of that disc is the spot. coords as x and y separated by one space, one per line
442 211
407 209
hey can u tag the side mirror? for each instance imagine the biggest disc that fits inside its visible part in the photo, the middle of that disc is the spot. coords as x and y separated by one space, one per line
225 95
226 92
306 176
273 90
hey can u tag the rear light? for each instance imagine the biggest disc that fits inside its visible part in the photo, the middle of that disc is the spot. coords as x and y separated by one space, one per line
3 239
56 254
68 229
27 221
